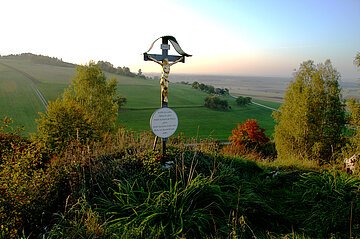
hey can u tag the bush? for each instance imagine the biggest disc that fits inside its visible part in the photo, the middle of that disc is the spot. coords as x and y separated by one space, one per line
24 189
249 137
64 121
9 137
242 101
215 102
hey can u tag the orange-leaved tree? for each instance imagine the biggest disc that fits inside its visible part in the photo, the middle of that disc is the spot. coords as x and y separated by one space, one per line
248 135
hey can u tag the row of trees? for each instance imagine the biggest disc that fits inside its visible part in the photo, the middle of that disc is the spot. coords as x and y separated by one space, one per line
124 71
209 88
215 102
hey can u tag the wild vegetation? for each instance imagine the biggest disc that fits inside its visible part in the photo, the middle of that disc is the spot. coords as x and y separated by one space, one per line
117 188
108 182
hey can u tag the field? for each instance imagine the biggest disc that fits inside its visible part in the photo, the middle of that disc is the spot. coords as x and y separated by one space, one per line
265 88
198 121
18 99
19 78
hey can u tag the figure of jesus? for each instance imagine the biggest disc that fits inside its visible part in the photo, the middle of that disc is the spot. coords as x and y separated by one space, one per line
164 80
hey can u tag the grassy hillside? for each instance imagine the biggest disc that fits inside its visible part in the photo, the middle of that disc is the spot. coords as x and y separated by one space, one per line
194 119
18 99
20 76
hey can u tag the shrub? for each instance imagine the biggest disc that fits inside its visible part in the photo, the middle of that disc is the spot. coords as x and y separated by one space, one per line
242 101
23 189
215 102
248 136
64 121
8 137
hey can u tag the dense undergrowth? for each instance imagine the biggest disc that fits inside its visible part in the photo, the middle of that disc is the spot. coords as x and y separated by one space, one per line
121 188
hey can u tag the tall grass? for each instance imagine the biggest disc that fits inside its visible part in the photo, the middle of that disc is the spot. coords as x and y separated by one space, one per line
166 207
79 220
332 203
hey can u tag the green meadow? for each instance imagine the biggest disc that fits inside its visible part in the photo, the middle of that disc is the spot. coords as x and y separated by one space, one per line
200 122
19 101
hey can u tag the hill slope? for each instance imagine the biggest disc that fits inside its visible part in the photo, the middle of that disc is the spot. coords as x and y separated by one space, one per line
24 82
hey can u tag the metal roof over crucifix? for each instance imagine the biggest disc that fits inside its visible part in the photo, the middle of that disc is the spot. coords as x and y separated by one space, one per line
165 48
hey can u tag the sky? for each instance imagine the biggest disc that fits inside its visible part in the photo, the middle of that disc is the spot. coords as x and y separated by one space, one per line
227 37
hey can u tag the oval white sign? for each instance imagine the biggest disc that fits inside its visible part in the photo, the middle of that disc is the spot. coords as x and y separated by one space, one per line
164 122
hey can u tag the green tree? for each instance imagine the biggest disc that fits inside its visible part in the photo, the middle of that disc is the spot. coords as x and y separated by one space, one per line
106 66
202 86
140 74
357 60
120 100
209 89
127 71
354 122
195 85
64 121
242 101
87 109
311 120
96 96
354 119
215 102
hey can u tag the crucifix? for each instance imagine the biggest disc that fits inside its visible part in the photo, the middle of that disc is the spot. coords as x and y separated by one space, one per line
164 80
165 60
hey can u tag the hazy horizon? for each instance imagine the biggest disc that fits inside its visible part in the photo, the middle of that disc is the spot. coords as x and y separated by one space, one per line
174 75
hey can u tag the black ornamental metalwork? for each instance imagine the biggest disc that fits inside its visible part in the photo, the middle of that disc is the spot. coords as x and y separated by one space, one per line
165 47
